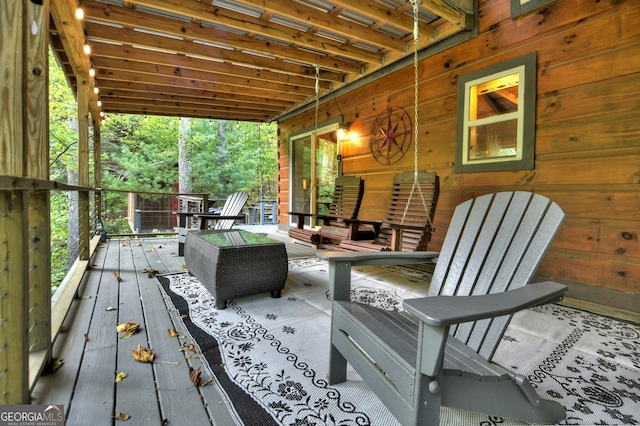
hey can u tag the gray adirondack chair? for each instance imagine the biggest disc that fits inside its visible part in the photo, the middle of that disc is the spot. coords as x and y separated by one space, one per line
224 219
228 215
438 351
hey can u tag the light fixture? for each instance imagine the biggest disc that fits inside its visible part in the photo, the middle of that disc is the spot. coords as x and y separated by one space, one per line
99 103
342 132
101 113
96 90
92 72
79 14
87 49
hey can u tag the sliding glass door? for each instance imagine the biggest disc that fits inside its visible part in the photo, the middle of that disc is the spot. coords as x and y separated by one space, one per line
314 168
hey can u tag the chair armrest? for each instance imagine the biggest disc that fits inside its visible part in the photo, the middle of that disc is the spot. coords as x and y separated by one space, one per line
378 258
449 310
301 214
213 216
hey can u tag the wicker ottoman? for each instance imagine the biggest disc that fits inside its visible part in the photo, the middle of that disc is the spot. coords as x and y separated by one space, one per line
233 263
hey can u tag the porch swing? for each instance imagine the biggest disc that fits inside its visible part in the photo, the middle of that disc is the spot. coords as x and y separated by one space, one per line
408 223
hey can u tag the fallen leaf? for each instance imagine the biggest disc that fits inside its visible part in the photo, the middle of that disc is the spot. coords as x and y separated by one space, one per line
143 354
86 337
139 245
172 332
150 272
191 347
194 375
129 328
121 416
118 277
125 243
184 266
153 249
203 384
110 308
57 363
121 375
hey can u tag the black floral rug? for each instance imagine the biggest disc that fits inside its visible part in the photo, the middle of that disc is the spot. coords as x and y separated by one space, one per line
270 356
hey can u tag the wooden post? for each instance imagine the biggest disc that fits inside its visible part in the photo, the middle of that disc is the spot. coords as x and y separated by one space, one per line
37 166
97 170
83 165
25 152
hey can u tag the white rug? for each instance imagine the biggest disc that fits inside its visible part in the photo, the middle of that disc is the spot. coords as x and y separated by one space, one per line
270 356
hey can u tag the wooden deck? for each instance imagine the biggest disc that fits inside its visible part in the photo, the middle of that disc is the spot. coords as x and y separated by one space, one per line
93 352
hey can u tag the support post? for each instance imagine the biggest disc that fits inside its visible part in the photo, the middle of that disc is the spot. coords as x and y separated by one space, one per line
25 153
83 166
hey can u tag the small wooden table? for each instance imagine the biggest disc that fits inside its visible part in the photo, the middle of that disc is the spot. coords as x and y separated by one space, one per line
232 263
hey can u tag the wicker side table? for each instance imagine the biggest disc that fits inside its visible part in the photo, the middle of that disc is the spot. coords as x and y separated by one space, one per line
233 263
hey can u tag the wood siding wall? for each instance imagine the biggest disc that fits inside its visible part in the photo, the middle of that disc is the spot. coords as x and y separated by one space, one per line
587 148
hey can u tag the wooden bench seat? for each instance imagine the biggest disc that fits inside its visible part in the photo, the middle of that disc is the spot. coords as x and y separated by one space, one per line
345 205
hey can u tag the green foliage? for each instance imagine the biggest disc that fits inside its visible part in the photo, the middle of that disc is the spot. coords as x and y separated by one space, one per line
140 153
229 156
63 153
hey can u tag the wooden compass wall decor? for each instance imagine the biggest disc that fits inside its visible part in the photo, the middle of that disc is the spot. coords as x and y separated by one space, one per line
390 135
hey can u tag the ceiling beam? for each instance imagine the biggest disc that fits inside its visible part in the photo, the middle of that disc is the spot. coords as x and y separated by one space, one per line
387 15
261 26
71 35
335 24
103 51
190 31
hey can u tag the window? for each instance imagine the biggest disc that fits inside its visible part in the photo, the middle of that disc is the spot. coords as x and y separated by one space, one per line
521 7
496 117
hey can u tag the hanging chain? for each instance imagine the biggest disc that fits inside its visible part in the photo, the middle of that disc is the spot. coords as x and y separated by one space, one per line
315 130
416 34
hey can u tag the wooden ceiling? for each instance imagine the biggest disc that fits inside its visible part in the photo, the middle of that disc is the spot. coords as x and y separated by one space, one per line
246 60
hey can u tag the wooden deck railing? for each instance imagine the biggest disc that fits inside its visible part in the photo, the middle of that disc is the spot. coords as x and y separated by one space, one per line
30 317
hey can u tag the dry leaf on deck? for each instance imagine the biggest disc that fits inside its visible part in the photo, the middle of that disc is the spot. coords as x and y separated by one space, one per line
125 243
172 332
121 375
150 272
121 416
57 363
143 354
194 375
118 277
129 329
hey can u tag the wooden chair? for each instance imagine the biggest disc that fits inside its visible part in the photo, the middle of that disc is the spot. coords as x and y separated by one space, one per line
224 219
345 204
399 231
438 351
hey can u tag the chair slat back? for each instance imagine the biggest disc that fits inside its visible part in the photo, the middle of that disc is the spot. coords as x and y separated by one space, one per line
347 197
495 243
416 215
232 207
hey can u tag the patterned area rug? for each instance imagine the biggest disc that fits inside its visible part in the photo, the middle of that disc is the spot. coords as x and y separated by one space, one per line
270 356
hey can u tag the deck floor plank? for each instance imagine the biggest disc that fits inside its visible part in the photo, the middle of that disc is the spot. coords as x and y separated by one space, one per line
69 347
136 394
93 396
180 400
151 393
211 397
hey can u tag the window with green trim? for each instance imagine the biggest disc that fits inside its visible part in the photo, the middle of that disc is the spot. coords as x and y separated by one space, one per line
496 117
521 7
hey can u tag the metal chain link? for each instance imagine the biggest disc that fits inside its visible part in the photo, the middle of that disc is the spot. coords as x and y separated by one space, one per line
416 5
